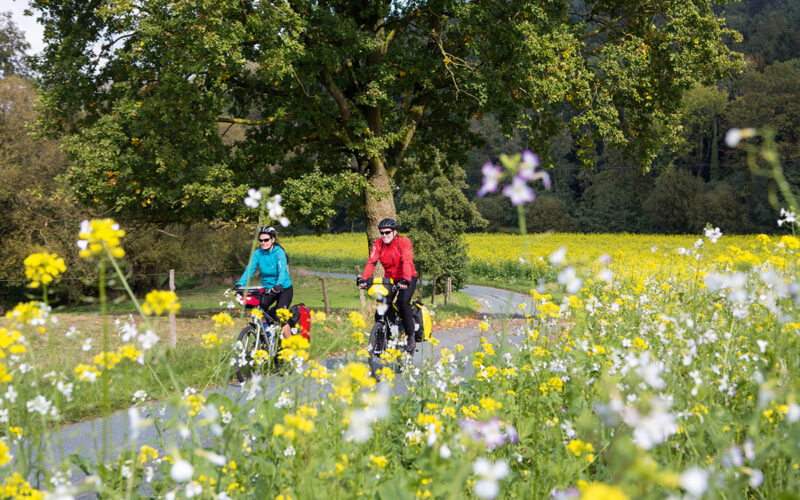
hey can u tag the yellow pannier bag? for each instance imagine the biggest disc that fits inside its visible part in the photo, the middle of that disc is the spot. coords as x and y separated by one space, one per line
422 321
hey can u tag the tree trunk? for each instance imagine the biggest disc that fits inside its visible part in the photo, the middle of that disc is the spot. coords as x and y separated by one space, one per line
380 206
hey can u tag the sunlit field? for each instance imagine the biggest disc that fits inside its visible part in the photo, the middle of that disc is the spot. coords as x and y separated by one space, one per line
517 258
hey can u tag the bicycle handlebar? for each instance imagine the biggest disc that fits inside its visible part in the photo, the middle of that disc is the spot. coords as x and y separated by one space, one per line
387 282
250 290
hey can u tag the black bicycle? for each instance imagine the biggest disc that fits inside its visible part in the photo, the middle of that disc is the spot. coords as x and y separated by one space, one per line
259 342
384 337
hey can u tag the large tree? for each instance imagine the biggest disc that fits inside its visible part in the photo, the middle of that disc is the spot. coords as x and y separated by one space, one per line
146 89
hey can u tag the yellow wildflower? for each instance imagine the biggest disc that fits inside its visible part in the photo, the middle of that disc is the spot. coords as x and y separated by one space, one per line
600 491
378 461
222 319
5 453
160 301
790 242
41 268
85 372
357 320
146 453
210 340
99 234
283 315
194 402
490 404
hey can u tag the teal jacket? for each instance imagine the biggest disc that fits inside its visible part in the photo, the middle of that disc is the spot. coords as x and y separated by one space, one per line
272 265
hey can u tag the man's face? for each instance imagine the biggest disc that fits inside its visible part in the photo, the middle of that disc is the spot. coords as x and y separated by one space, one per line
387 235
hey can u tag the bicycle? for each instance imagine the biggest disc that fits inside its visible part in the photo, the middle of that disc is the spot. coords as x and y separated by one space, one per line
385 333
259 342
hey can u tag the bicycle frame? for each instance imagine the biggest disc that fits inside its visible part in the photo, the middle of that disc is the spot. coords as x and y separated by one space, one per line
379 336
261 335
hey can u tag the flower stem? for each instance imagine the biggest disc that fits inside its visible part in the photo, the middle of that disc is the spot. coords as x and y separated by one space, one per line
105 380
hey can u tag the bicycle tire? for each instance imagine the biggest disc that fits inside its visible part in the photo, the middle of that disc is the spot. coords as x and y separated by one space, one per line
248 338
378 338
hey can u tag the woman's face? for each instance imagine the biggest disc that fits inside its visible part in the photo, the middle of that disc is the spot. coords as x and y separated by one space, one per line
266 241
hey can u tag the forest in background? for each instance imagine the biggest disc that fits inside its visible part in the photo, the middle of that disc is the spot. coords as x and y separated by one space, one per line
694 182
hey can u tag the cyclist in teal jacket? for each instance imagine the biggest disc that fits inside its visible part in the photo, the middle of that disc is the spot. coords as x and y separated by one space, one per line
270 260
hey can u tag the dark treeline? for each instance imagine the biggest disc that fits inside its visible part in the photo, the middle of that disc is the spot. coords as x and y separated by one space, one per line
694 181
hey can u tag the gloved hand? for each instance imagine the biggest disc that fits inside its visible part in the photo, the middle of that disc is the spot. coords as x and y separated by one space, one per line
360 282
237 288
403 283
277 289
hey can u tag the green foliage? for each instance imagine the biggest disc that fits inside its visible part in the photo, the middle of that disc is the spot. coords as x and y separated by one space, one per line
37 214
771 98
143 89
768 28
497 212
548 213
12 47
721 207
314 197
672 202
437 215
612 196
703 108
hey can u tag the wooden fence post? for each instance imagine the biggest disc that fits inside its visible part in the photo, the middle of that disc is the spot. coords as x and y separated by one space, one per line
361 292
433 290
447 285
325 296
173 325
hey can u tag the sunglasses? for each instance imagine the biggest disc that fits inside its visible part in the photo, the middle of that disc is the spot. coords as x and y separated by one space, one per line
265 240
386 232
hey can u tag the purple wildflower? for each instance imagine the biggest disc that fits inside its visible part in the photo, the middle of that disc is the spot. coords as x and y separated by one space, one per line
491 178
527 169
519 192
492 433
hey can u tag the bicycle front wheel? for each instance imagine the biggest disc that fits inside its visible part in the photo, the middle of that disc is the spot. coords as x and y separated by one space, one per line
248 359
377 344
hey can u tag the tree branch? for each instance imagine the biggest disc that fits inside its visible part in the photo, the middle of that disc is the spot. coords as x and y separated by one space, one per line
242 121
333 90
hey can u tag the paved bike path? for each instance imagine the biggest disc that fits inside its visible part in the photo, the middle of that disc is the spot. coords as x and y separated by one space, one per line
493 301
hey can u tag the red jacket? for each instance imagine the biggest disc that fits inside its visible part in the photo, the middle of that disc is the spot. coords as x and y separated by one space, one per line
397 259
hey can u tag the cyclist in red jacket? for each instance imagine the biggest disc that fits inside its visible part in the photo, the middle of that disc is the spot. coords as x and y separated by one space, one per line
396 254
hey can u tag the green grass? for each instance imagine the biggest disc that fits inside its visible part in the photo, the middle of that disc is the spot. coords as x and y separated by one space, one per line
342 294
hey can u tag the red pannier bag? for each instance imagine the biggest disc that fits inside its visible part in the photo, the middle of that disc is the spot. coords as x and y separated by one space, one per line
301 318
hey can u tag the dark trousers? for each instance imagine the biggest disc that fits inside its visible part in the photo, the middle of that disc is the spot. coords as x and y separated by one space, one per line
404 308
282 300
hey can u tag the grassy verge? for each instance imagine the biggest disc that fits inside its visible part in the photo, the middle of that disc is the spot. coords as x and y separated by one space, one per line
190 364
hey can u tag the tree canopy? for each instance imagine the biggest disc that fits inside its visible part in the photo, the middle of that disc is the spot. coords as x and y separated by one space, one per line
147 90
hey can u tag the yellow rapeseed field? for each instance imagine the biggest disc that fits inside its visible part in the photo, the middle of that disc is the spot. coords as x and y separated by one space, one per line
507 256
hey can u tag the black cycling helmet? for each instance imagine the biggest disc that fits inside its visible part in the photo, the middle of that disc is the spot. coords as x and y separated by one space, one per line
387 223
268 230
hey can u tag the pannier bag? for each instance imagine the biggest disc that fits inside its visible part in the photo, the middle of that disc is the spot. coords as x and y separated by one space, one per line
422 321
301 318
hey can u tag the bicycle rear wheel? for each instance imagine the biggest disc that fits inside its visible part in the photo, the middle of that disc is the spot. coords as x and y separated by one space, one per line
377 344
248 362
